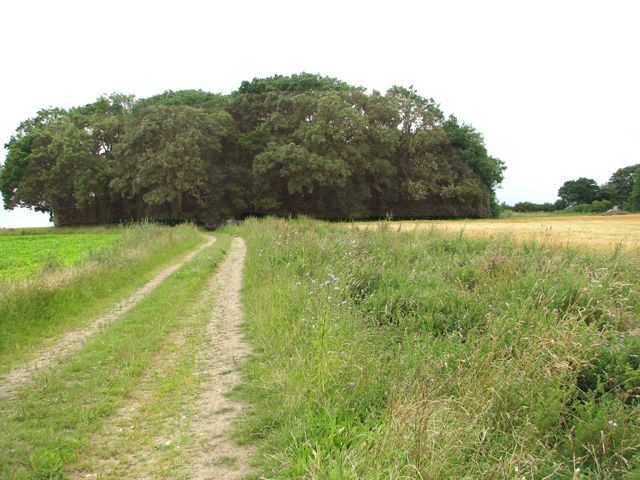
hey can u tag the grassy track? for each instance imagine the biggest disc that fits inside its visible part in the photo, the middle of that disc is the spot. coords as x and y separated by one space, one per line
56 427
36 309
388 354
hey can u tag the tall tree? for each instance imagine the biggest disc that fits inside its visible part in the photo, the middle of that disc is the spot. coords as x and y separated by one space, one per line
170 154
620 185
583 190
634 198
470 146
19 153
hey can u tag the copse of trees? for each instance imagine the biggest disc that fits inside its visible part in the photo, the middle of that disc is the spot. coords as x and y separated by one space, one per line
584 194
304 144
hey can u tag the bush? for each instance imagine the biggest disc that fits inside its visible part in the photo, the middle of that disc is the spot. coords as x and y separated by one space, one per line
600 206
580 208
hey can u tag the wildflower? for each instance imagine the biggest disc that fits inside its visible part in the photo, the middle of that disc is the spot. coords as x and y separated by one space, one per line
307 274
308 309
361 291
310 293
344 302
336 288
298 283
612 424
328 298
490 307
352 384
313 281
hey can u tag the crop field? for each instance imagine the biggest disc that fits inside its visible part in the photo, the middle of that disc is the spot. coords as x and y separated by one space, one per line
23 255
580 231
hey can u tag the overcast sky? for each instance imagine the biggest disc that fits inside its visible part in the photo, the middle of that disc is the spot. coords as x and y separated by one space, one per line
552 85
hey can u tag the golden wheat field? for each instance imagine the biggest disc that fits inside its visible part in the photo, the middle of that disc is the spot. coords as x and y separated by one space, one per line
581 231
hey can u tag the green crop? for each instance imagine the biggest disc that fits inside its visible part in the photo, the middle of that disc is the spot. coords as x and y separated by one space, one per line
25 255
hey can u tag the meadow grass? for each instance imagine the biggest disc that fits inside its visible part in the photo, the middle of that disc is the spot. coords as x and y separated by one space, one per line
417 354
61 298
60 425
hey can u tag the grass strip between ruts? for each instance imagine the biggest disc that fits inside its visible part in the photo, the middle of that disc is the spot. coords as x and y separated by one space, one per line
49 425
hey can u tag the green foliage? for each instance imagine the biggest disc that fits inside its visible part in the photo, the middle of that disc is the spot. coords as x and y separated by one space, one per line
524 207
169 98
620 186
600 206
634 198
583 190
169 154
469 143
303 82
19 154
299 145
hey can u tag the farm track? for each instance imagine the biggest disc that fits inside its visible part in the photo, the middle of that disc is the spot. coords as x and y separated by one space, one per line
73 341
214 412
205 419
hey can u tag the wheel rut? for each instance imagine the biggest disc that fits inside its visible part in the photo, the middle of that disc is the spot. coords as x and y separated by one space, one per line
217 456
73 341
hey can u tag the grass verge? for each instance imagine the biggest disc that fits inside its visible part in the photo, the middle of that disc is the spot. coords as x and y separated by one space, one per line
389 354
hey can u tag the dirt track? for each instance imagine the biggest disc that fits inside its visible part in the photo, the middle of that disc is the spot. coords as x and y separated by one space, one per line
73 341
218 457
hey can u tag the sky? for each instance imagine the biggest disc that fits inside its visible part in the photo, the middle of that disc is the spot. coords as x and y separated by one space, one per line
552 85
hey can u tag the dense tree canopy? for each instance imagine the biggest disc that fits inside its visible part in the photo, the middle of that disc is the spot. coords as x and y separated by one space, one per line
583 190
619 187
304 144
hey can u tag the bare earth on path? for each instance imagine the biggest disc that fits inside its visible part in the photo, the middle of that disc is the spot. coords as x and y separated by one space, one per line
216 455
73 341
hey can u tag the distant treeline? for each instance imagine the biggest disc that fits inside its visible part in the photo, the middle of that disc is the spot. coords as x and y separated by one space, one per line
299 145
584 195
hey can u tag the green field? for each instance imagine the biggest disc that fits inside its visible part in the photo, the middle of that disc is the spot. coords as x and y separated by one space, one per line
24 255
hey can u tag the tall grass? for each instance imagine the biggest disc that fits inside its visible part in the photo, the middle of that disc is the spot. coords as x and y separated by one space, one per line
34 309
387 354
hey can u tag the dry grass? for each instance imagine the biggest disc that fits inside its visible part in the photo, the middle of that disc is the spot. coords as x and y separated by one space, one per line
580 231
